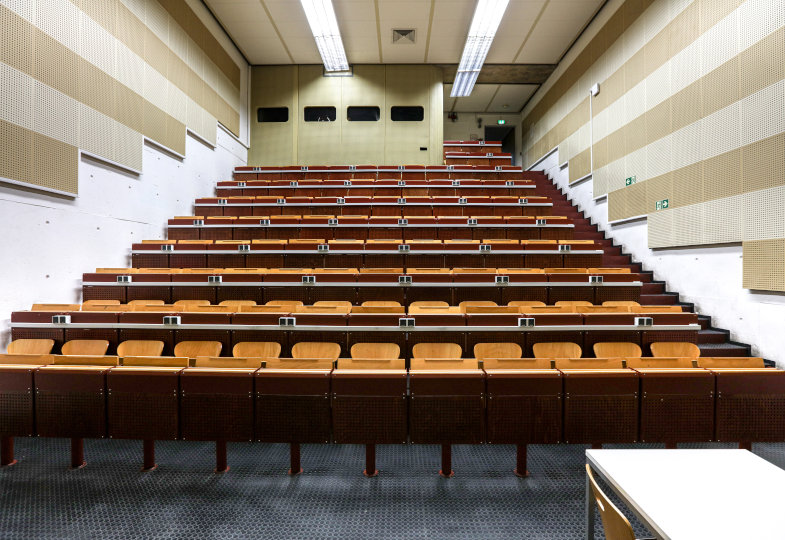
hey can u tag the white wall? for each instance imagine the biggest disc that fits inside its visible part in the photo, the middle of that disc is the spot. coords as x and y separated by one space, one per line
466 126
49 241
710 277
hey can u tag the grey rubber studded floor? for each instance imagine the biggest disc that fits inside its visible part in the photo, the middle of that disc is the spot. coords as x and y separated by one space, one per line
110 498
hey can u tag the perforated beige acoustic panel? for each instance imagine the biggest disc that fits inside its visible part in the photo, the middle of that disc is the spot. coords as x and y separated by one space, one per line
764 264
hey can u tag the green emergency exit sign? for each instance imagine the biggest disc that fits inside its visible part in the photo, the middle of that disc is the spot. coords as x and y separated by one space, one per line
501 122
630 180
661 205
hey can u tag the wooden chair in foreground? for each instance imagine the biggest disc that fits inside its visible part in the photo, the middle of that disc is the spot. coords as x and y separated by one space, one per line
85 347
557 350
140 347
616 350
31 346
673 349
192 349
615 525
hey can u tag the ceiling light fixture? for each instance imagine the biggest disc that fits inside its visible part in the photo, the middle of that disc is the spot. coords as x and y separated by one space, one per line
324 27
487 17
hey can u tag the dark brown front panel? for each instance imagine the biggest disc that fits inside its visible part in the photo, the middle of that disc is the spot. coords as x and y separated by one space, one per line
292 407
558 294
16 401
512 293
447 408
524 408
604 294
70 403
750 406
149 293
142 404
677 407
99 292
185 292
600 408
216 406
369 408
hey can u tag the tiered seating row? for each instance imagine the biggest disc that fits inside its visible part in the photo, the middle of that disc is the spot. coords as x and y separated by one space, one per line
288 326
477 158
436 402
377 206
471 146
324 253
382 172
369 187
370 228
310 285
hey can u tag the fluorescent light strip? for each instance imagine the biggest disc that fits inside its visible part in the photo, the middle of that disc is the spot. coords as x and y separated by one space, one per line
324 27
487 17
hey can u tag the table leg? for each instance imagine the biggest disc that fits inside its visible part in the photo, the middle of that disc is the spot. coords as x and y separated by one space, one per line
7 452
148 455
294 459
370 461
589 510
77 453
446 470
221 464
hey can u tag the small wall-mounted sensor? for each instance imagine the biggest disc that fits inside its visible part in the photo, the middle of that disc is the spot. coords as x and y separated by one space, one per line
595 89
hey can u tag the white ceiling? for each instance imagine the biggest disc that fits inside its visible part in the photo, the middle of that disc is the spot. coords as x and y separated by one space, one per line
277 32
531 32
491 98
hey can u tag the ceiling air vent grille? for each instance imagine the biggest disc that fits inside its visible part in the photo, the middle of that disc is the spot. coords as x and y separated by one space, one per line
403 36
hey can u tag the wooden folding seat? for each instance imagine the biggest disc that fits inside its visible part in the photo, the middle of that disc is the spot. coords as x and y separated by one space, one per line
217 404
369 399
614 523
600 405
556 350
447 404
292 404
675 349
677 403
616 350
157 361
524 402
85 347
16 398
222 362
31 346
621 303
659 363
750 405
381 303
523 304
70 402
194 349
235 304
143 403
728 362
476 303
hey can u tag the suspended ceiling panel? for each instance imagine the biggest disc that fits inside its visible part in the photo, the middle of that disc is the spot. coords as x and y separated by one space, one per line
277 32
491 98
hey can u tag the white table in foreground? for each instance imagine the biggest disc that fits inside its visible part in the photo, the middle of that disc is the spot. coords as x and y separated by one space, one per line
694 494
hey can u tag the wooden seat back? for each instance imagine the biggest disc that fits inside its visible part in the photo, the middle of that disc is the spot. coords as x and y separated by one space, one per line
31 346
256 349
193 349
611 349
375 351
316 350
560 349
140 347
437 350
497 350
85 347
675 348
